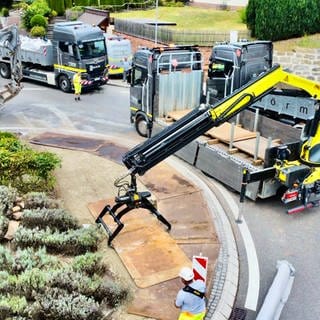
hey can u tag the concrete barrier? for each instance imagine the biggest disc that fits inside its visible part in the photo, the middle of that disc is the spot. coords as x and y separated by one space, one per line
278 293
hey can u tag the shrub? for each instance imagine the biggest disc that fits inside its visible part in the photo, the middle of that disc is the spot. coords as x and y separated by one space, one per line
6 259
36 7
89 263
76 282
4 223
57 304
281 19
25 169
114 294
58 219
27 259
26 284
13 305
5 12
38 31
35 200
8 197
38 20
72 242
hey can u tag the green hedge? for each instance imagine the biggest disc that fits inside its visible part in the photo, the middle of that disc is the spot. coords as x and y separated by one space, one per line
282 19
25 169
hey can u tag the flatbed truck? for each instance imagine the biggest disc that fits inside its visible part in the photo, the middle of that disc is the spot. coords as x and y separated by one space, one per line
75 47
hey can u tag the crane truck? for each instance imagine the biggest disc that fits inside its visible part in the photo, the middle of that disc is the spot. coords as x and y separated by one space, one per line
75 47
295 166
9 42
171 79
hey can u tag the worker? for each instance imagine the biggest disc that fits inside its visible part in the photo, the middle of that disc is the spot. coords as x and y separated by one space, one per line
77 86
126 68
191 298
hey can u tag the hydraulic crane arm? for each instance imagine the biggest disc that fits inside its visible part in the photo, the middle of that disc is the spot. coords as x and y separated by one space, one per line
146 155
10 47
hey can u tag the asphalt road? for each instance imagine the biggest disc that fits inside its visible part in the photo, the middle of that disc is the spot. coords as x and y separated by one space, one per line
276 235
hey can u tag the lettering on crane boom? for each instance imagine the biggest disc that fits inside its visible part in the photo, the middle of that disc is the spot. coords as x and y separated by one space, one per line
297 107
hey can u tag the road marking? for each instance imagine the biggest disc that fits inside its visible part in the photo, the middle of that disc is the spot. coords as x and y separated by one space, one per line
33 89
253 266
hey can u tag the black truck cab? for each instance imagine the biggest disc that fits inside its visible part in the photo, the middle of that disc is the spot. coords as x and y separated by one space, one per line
231 65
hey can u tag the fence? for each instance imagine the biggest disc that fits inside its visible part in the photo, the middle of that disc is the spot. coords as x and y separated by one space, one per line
166 35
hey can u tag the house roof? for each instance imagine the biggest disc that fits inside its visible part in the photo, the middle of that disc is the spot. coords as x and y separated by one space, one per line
93 19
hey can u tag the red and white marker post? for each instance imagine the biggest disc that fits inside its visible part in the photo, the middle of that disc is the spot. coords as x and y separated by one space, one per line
200 267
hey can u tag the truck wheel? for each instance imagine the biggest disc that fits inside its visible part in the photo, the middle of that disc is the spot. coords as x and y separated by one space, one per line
64 83
5 71
141 125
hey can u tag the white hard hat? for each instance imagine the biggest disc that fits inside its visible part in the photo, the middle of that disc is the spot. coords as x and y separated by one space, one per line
186 274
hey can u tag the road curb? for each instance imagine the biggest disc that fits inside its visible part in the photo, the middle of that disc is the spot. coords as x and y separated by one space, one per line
225 283
225 280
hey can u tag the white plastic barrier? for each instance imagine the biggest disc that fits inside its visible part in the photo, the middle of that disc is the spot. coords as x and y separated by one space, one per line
278 293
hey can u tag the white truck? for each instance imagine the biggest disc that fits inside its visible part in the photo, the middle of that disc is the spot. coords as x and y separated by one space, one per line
75 46
118 48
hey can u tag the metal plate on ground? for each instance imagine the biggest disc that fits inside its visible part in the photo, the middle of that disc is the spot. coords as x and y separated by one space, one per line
149 253
189 216
146 301
67 141
112 151
164 182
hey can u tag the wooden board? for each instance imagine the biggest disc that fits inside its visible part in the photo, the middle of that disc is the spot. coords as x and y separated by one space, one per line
147 250
223 133
248 146
176 115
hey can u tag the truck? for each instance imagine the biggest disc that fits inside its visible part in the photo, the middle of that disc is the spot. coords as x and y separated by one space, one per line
164 79
294 169
10 44
170 79
232 65
118 48
75 47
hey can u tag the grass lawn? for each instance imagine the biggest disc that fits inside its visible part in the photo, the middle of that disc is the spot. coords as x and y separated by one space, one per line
193 18
190 18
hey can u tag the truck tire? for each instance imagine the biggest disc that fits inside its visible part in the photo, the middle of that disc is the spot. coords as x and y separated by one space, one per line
142 126
64 83
5 71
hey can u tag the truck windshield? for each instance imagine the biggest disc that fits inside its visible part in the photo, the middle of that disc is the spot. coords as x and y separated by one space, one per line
92 49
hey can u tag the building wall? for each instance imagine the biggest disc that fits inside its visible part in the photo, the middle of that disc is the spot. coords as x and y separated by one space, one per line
303 62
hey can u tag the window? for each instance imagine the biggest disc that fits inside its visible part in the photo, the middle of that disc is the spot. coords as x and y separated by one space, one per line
92 49
139 75
63 46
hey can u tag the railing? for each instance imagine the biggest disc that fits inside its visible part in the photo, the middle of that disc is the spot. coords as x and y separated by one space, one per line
168 35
